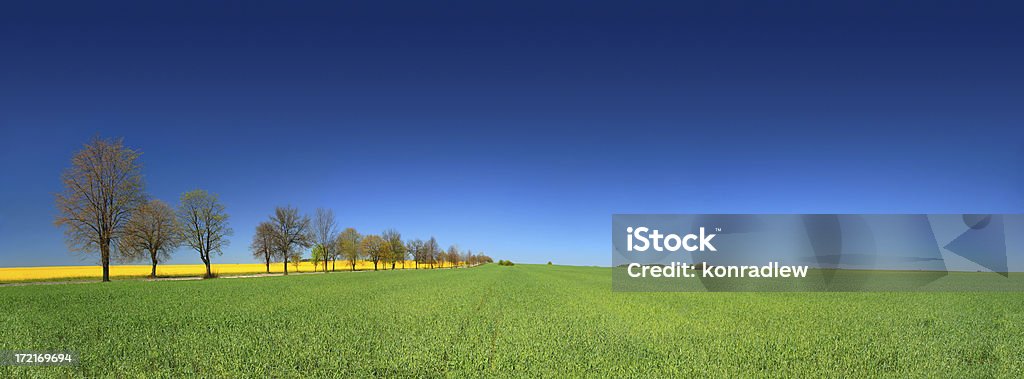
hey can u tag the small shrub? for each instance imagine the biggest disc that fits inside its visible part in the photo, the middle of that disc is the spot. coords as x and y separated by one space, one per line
505 263
549 263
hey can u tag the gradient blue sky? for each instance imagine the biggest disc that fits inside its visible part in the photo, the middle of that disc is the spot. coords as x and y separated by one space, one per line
516 128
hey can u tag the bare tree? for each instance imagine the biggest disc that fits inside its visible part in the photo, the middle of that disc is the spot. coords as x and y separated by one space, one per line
415 248
349 246
292 231
431 249
204 224
263 243
325 230
453 255
374 247
441 257
152 231
101 189
394 248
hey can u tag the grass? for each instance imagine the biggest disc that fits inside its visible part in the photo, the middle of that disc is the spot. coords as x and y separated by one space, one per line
524 320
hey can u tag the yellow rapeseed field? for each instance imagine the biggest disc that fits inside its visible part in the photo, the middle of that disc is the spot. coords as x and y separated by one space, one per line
16 274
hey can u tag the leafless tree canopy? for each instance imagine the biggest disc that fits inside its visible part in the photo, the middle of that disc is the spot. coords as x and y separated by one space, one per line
430 251
101 189
415 248
394 248
204 224
152 232
349 246
325 230
374 247
291 231
453 255
263 243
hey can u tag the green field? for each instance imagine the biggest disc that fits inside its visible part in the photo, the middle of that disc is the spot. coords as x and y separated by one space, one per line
525 320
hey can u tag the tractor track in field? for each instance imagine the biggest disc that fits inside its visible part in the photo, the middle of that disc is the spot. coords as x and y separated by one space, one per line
493 342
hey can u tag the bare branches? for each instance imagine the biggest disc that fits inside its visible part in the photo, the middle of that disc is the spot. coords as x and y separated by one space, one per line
291 231
431 250
394 249
263 243
204 224
349 246
152 232
325 230
101 189
415 248
453 256
374 247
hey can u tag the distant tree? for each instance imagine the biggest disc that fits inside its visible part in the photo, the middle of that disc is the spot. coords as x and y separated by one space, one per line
296 260
152 232
204 224
325 231
395 248
374 247
317 255
415 248
430 250
263 243
349 246
453 256
292 232
102 188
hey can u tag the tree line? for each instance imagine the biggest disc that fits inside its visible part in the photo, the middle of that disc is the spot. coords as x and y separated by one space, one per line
287 234
103 208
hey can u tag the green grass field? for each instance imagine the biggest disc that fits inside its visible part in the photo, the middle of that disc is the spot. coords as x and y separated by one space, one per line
525 320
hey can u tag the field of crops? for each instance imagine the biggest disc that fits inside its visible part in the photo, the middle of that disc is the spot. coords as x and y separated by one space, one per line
19 274
523 320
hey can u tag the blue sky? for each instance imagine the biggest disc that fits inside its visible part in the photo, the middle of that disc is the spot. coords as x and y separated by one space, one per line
516 128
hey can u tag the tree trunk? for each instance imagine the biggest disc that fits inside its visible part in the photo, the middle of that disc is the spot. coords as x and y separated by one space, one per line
105 260
268 264
392 265
374 265
152 274
334 265
353 267
286 265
